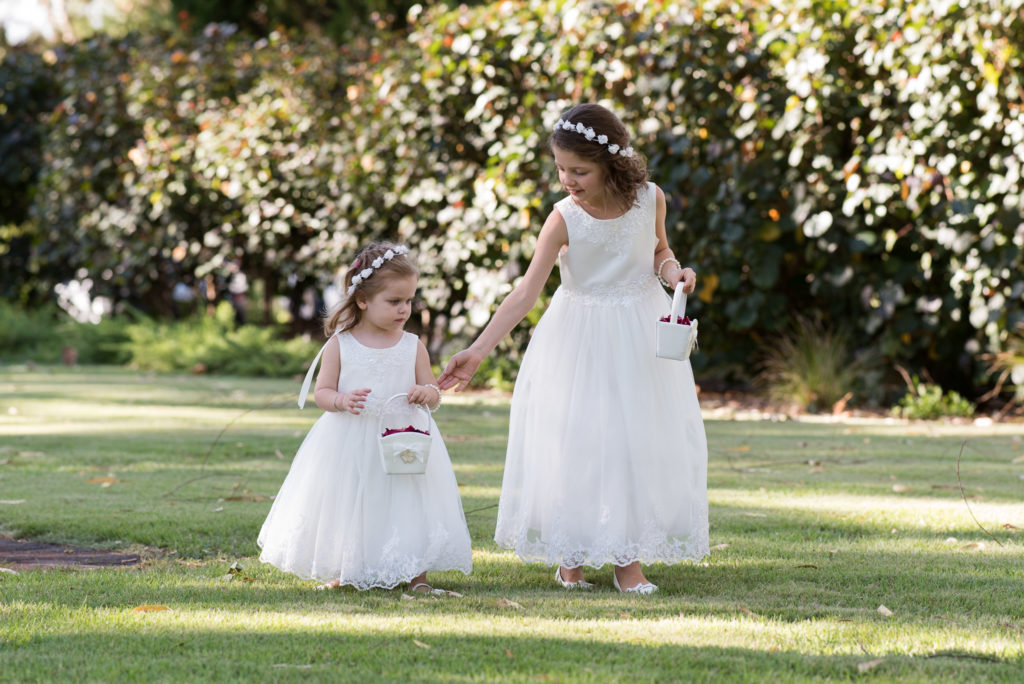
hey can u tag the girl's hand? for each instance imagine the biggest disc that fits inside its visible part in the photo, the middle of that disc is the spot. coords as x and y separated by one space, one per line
424 396
688 277
460 370
353 402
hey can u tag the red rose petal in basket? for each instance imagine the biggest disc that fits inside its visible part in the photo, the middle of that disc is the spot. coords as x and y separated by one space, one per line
681 320
394 431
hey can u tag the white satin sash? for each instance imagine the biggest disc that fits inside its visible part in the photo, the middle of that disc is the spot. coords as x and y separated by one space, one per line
309 374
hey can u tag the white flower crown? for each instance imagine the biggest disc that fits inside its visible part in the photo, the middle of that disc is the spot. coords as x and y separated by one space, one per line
592 135
374 265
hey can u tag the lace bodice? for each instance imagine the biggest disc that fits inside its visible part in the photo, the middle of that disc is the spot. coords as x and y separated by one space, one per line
609 259
385 371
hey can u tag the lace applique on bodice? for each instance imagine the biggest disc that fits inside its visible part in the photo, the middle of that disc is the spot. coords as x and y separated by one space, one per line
609 261
385 371
623 293
612 235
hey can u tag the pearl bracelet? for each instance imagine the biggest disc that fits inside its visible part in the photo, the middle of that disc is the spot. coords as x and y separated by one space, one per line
662 264
438 390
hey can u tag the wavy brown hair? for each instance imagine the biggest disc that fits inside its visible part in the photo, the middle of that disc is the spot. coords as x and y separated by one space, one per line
624 176
347 314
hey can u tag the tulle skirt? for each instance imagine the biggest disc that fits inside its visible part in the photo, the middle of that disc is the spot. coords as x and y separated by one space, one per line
607 456
339 516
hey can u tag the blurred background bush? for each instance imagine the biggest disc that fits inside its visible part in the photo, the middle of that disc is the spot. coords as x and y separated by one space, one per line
856 160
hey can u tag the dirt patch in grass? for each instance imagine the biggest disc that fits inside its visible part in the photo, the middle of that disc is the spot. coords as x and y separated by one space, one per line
20 554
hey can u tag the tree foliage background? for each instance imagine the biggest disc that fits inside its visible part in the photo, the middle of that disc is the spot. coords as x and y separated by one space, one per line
855 158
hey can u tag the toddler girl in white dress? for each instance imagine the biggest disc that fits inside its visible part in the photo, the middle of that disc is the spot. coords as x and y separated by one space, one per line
339 517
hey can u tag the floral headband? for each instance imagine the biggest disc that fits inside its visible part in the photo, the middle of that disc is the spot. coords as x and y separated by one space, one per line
400 250
590 134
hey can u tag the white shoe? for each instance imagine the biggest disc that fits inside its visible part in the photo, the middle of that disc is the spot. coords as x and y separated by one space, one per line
424 588
580 584
644 588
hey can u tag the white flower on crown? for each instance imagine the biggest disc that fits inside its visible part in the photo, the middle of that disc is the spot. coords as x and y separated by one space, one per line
374 265
591 134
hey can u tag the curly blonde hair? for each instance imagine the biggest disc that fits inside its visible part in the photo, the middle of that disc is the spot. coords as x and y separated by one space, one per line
624 176
347 314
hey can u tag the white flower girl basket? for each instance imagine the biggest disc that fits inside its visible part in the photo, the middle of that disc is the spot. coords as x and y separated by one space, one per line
677 339
403 437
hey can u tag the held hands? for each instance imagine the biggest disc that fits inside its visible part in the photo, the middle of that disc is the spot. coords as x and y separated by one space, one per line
354 402
460 370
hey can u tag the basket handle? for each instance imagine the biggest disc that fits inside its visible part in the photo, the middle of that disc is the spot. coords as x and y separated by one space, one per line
380 418
678 303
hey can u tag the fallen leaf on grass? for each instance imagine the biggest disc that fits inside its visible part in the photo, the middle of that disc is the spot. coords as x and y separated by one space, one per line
12 502
245 498
506 603
868 665
8 571
1008 526
453 594
102 480
973 546
277 452
748 612
1019 459
882 610
807 565
900 488
149 609
943 487
509 653
420 643
407 597
719 547
741 447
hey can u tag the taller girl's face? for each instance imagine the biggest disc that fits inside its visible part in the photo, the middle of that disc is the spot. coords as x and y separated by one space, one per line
390 307
583 179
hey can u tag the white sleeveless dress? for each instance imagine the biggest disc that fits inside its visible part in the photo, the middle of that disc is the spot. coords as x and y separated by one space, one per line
607 456
339 516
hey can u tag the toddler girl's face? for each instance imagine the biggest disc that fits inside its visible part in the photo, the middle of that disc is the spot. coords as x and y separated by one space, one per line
390 308
583 179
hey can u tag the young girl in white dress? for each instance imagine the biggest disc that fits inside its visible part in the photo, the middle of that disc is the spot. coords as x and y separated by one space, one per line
607 456
339 517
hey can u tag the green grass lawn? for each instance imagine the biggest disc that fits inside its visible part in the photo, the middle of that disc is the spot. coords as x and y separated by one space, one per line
814 526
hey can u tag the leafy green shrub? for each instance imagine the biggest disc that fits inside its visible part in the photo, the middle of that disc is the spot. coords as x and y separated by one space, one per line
29 334
1007 365
810 366
866 168
212 344
927 401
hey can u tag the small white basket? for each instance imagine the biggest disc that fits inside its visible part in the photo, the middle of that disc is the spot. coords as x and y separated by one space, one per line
676 340
404 448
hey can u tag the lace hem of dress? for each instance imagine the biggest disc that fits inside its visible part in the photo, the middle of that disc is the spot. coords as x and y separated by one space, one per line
654 546
389 578
395 567
623 293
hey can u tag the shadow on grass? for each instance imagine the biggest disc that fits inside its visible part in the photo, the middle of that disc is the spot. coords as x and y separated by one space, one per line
333 651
